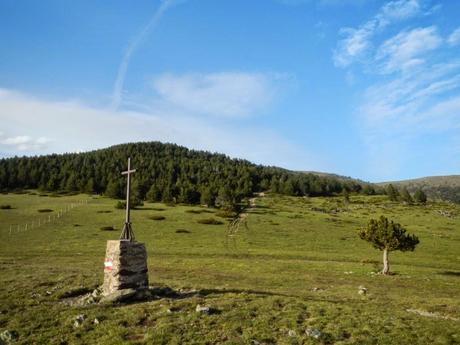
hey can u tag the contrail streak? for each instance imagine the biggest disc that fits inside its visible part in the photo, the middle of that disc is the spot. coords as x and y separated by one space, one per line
117 94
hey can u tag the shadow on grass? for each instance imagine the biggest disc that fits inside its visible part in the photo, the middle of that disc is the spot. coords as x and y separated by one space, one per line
451 273
83 296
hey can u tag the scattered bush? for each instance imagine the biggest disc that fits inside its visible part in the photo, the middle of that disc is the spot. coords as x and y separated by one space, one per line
157 217
19 191
5 207
76 225
44 210
104 211
210 221
225 214
182 231
107 228
198 211
55 195
158 209
120 205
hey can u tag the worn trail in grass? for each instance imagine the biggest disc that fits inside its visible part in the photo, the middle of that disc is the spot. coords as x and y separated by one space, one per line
295 268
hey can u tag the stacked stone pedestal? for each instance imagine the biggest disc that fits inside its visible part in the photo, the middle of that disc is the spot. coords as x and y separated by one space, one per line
125 267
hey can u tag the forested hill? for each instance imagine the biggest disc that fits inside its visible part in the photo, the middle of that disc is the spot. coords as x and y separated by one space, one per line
165 172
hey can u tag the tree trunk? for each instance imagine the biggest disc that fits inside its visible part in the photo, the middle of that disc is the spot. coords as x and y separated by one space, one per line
386 263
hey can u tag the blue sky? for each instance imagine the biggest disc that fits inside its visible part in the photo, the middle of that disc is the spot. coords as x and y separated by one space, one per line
369 89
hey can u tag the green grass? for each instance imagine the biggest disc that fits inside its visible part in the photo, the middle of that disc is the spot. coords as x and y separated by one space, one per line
298 265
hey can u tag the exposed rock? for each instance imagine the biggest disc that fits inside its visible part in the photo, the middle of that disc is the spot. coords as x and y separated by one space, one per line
291 333
119 296
79 320
8 336
362 290
313 332
430 314
97 292
96 321
202 309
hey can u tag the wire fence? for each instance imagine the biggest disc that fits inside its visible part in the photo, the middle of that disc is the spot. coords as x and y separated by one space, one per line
42 221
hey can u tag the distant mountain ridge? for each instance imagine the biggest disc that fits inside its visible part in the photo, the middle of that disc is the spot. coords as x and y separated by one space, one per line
436 187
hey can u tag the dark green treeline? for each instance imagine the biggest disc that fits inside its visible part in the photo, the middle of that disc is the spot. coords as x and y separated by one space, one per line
165 172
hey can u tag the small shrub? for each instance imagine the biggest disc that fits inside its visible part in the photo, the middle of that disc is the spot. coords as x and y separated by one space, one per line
55 195
76 225
198 211
225 214
19 191
5 207
107 228
182 231
157 217
158 209
120 205
210 221
44 210
104 211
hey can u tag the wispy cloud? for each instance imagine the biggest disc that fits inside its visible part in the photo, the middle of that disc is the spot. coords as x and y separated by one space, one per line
356 42
401 102
78 127
454 37
405 50
225 94
414 89
117 95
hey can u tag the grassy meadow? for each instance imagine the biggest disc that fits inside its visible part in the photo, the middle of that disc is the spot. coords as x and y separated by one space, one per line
295 269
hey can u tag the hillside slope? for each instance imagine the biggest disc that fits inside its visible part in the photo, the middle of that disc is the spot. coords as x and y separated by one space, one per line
436 187
165 172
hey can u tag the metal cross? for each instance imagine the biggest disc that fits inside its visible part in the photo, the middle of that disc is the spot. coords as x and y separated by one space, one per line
127 233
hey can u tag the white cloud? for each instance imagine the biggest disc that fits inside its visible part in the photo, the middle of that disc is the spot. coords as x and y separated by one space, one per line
354 45
227 94
404 50
25 143
398 10
356 42
454 37
75 127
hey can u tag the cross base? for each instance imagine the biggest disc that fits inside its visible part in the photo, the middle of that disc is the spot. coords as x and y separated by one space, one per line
127 232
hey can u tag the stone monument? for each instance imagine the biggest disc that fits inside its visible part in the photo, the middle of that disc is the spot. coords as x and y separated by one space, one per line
125 266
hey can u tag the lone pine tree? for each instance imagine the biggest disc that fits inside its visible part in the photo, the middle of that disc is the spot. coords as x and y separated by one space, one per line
405 196
387 236
420 196
392 192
